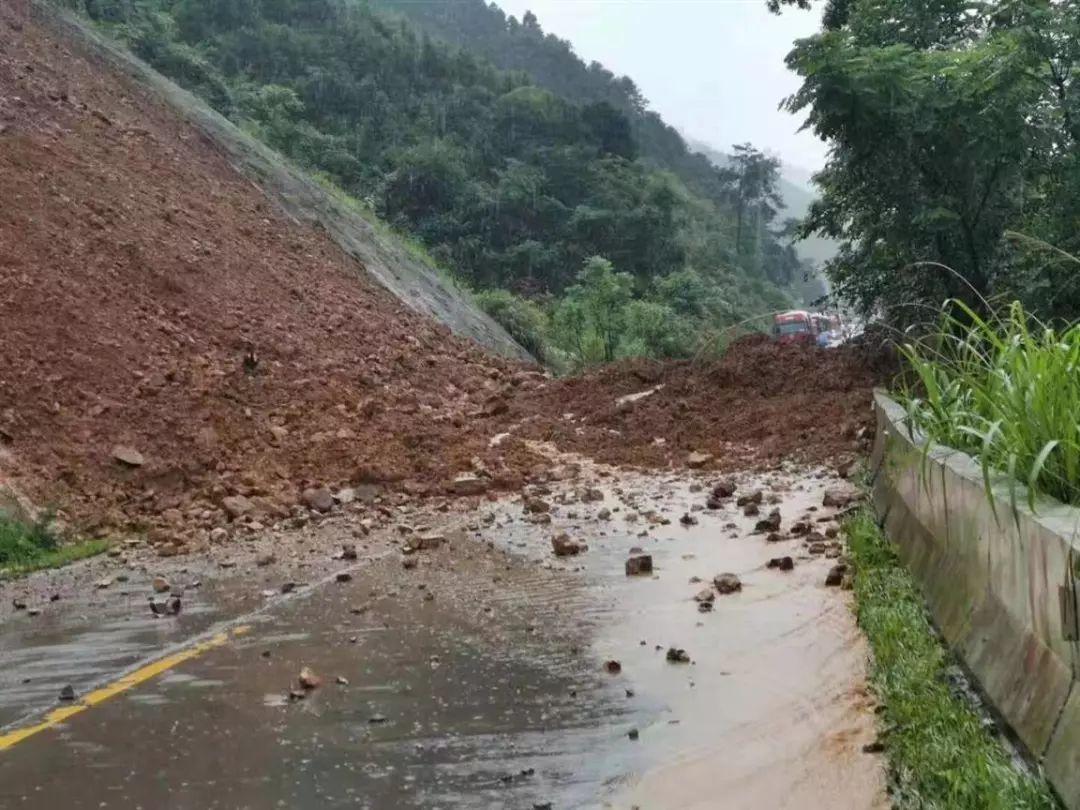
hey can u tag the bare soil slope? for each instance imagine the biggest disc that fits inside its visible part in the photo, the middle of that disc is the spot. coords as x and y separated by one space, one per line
137 271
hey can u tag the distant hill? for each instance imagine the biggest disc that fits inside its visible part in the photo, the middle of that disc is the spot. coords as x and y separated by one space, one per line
797 196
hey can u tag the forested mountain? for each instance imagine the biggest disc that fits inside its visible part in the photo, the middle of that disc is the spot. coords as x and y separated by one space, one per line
551 63
509 184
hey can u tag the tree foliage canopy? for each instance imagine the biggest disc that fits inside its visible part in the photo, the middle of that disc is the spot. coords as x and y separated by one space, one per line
951 124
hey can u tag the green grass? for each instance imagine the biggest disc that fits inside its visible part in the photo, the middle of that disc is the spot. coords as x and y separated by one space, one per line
1005 390
940 754
31 546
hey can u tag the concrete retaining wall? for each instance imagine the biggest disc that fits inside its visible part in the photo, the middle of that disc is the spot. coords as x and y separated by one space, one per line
999 579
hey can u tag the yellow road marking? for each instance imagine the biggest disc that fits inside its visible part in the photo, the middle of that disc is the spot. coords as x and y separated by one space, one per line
141 675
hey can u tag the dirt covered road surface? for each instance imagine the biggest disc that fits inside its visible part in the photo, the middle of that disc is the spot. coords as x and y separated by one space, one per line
479 670
358 561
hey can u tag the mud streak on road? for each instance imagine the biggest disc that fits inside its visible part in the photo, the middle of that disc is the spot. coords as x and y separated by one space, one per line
476 680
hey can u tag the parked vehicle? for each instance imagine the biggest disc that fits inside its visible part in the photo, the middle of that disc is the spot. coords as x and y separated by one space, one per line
795 326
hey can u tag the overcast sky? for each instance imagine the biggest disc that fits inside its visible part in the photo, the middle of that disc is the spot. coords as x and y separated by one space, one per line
712 68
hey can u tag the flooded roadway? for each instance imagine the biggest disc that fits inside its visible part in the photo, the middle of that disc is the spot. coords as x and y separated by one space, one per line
477 678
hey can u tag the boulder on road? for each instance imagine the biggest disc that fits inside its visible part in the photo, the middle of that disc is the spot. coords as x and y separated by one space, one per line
317 499
697 460
727 583
564 546
468 484
639 564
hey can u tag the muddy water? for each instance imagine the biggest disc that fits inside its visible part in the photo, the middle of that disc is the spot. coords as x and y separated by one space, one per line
475 680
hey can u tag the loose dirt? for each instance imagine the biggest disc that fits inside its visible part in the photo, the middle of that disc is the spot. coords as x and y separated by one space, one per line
152 299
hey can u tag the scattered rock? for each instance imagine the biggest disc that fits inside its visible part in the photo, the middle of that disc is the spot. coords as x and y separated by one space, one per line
101 584
688 520
769 524
757 496
348 552
377 719
308 679
604 514
160 584
236 506
166 607
563 546
536 505
816 548
429 541
19 603
288 587
340 680
727 583
409 563
835 577
782 563
639 564
840 498
705 595
799 528
345 496
774 537
751 510
218 535
468 484
127 456
612 667
342 576
632 734
317 499
876 747
67 694
697 460
592 494
677 655
724 488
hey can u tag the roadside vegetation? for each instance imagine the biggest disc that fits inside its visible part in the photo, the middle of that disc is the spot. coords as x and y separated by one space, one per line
940 753
1004 389
32 545
952 127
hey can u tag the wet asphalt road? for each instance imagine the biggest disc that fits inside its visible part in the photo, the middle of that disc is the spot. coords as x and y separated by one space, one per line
476 680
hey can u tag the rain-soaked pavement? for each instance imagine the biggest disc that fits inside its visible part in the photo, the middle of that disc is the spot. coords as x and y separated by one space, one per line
477 678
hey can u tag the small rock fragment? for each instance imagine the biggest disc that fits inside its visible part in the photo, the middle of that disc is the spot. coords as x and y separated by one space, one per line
612 667
677 655
563 546
160 584
769 524
727 583
639 564
127 456
697 460
67 694
835 577
782 563
308 679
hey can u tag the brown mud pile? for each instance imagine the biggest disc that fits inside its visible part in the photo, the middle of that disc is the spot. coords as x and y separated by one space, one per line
761 403
153 300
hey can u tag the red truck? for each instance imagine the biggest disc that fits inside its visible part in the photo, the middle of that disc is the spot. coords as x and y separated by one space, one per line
796 326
